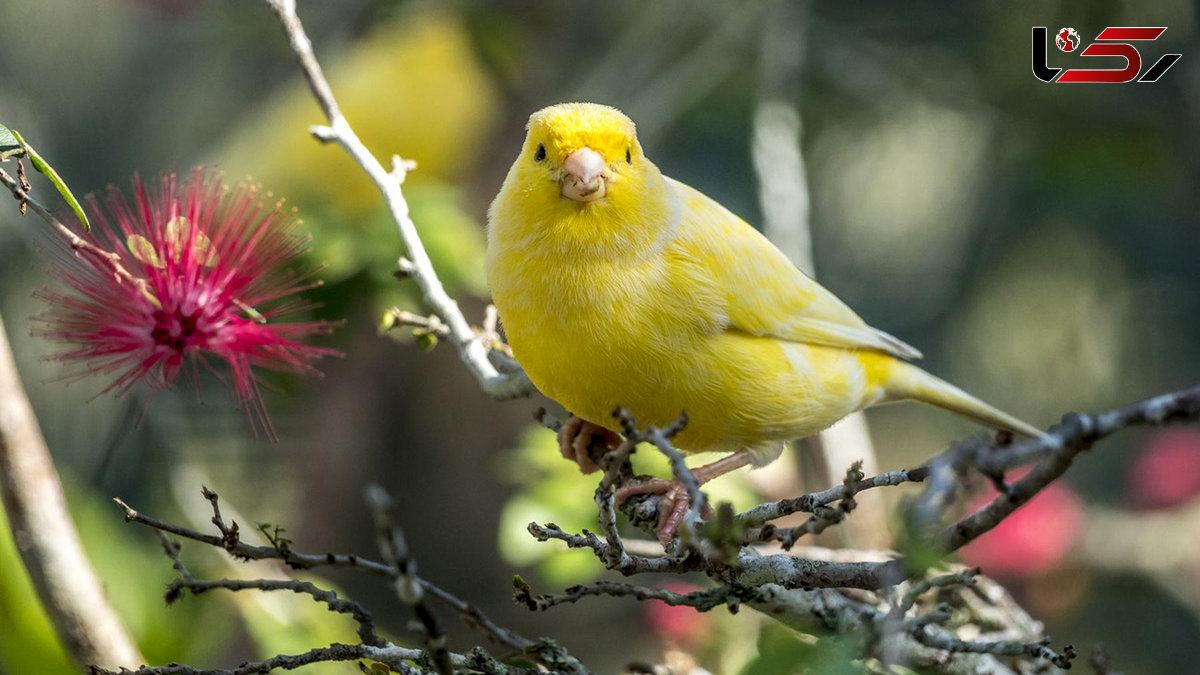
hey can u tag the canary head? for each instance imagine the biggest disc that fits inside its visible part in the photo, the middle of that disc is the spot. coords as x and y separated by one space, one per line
582 171
581 148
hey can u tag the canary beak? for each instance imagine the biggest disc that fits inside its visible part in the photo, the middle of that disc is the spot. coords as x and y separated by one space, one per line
583 175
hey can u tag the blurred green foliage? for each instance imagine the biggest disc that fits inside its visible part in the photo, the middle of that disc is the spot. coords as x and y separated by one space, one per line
134 572
783 652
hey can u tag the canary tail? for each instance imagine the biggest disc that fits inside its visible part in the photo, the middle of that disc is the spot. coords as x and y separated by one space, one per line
906 381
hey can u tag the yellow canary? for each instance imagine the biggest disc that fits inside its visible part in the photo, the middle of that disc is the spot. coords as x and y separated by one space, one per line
618 286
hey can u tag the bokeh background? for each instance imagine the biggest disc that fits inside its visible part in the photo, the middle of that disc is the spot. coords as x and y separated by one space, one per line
1040 243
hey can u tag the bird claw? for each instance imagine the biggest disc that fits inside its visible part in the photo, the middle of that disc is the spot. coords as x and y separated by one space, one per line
673 507
576 438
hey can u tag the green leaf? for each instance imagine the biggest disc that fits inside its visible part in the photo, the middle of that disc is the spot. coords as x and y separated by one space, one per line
179 229
9 145
387 321
47 170
920 553
426 341
255 315
143 250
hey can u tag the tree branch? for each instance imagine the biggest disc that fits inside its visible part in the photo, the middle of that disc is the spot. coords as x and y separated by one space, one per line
80 245
474 353
1065 441
823 517
809 503
400 567
701 600
783 196
817 594
186 581
46 538
405 582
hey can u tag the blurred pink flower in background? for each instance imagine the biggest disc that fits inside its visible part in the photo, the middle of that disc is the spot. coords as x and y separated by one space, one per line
1032 540
1166 472
681 626
215 263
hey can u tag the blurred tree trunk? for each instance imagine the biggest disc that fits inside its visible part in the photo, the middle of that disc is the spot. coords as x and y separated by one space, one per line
45 535
784 198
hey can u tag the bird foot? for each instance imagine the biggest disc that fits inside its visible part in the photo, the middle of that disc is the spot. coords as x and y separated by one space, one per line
675 499
674 506
576 439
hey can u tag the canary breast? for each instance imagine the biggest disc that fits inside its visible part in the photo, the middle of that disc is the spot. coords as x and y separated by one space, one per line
648 331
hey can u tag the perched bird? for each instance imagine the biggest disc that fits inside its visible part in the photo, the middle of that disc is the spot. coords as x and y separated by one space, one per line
618 286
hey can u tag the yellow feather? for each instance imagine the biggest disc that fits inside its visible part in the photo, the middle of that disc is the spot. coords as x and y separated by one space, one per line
657 299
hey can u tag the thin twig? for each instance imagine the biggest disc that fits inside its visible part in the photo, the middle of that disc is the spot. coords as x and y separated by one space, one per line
186 581
636 564
393 656
918 588
394 548
701 600
545 652
81 246
1065 441
244 551
1058 448
823 517
1037 650
615 465
810 502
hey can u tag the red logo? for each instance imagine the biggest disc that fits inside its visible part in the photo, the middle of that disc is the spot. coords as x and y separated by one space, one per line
1067 39
1112 41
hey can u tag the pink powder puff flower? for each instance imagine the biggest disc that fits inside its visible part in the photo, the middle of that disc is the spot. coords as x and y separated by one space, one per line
679 625
1166 473
198 272
1034 539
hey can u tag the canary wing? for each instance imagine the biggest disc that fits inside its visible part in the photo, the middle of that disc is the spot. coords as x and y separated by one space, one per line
764 293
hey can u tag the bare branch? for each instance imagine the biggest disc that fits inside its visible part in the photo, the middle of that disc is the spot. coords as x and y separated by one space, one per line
36 508
473 352
1037 650
634 564
615 465
855 593
1065 441
407 585
701 600
1057 449
394 657
810 502
400 568
244 551
918 588
79 244
823 516
186 581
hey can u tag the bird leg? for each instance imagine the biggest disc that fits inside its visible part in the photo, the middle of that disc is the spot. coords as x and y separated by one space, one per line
675 500
575 440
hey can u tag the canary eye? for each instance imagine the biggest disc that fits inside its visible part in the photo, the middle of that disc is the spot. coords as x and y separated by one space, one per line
628 157
540 154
